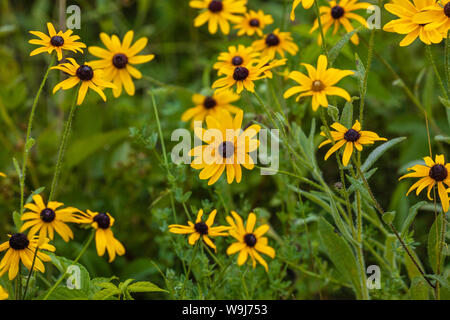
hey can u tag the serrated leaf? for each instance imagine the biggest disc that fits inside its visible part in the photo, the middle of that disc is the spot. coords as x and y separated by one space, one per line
378 152
144 286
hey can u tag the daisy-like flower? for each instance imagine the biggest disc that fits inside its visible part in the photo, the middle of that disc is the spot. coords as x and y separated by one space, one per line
276 42
319 83
407 24
210 105
235 57
432 173
89 76
118 58
351 138
340 13
435 17
201 229
56 41
104 237
22 248
249 241
253 22
3 294
306 5
218 13
46 219
227 147
244 75
2 175
273 64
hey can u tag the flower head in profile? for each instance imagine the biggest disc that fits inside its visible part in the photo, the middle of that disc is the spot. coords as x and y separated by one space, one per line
201 229
306 5
89 76
408 24
250 241
244 75
253 22
3 294
104 237
435 17
218 13
432 173
46 219
118 60
319 83
236 56
350 138
210 105
340 13
20 248
56 42
276 42
227 147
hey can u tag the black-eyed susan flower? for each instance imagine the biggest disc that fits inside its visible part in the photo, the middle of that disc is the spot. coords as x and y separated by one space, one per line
319 83
218 13
275 42
3 294
244 75
273 64
104 237
201 229
435 17
431 174
89 76
406 24
118 58
351 138
340 13
253 22
19 248
235 57
306 5
227 147
249 241
210 105
46 219
56 41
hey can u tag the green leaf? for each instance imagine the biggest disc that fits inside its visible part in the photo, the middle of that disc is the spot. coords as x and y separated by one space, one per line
17 167
445 102
379 151
35 192
64 293
333 112
434 245
361 71
419 289
30 143
106 294
442 138
388 217
17 221
144 286
77 271
347 114
334 52
411 216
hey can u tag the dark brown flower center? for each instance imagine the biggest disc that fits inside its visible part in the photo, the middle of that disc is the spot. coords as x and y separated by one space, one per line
254 23
103 220
237 61
47 215
215 6
85 72
438 172
352 135
120 60
209 103
240 73
201 228
317 86
447 9
57 41
250 239
337 12
19 241
272 40
226 149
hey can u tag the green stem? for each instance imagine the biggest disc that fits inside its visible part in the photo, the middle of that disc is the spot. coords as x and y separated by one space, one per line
189 269
30 273
322 35
366 77
436 72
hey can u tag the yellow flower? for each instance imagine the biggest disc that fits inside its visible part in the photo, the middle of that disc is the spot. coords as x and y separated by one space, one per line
273 64
201 229
352 137
227 147
253 22
435 17
319 83
3 294
340 14
432 173
2 175
275 42
210 105
118 58
89 76
306 5
20 248
244 76
218 13
407 24
46 219
249 241
104 237
235 57
56 41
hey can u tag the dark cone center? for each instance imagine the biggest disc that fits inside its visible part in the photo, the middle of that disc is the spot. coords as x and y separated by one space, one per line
85 73
237 61
337 12
47 215
352 135
201 228
57 41
19 241
438 172
254 23
120 60
250 239
447 9
215 6
272 40
240 73
209 103
317 86
226 149
102 220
